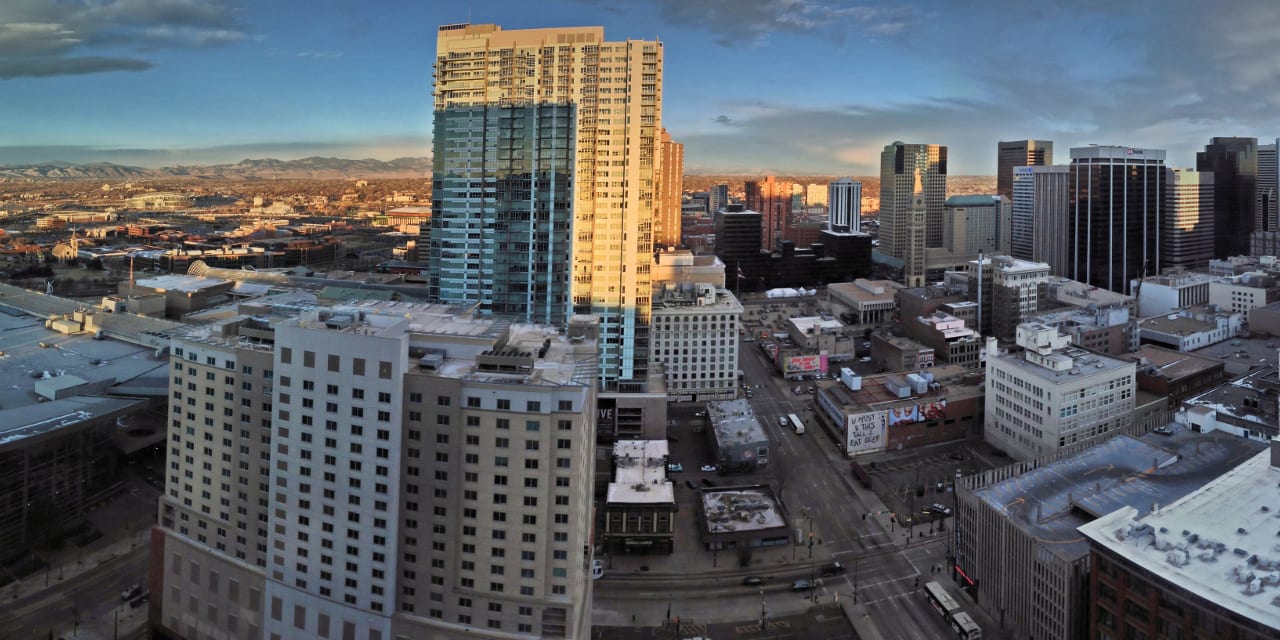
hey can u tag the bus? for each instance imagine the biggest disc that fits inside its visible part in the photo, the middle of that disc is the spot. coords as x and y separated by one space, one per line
952 614
965 627
796 424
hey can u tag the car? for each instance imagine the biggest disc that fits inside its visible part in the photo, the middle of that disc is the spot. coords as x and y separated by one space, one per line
700 414
956 455
937 507
131 593
875 466
690 484
810 389
803 585
752 581
749 394
832 569
675 467
706 482
139 600
1164 431
597 569
709 468
864 359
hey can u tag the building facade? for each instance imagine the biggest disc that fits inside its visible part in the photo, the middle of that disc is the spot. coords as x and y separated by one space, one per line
844 205
1117 212
772 199
1038 228
1019 153
1053 394
1188 235
1233 162
1266 190
976 224
565 163
908 170
666 226
695 338
355 477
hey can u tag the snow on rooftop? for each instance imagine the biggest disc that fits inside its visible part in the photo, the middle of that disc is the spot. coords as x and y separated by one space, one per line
1218 542
743 509
641 473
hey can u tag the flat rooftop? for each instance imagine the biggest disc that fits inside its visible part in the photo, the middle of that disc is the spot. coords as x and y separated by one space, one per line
1169 363
25 361
28 421
735 423
184 284
741 509
1176 325
641 473
1217 541
1052 501
861 290
1085 364
125 326
1237 398
812 323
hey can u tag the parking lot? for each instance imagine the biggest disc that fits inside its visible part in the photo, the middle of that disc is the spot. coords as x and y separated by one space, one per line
910 480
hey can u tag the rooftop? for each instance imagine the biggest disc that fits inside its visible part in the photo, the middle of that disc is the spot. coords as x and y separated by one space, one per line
28 421
1084 364
184 284
972 201
865 290
741 509
1053 500
1176 325
1251 399
735 423
815 324
1167 363
641 473
1216 541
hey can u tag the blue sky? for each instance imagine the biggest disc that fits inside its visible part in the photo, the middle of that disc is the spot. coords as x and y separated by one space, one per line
786 86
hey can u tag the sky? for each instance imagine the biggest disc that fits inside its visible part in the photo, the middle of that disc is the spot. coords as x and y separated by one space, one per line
792 87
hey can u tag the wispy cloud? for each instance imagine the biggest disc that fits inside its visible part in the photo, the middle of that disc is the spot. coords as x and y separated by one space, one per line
39 38
752 22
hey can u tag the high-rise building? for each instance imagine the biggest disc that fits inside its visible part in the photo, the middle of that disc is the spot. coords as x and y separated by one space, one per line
1039 223
844 203
717 198
527 152
1019 153
666 226
348 472
816 195
738 247
771 198
974 224
1267 190
1117 214
905 170
1188 227
1234 165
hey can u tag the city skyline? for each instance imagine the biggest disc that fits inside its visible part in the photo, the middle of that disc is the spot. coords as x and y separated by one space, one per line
167 82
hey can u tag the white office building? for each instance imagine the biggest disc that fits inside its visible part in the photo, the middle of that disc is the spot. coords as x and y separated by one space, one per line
1174 290
844 203
695 337
1054 394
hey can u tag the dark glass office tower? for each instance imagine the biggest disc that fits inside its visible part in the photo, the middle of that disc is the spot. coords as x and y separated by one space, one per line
1019 153
1234 164
1117 209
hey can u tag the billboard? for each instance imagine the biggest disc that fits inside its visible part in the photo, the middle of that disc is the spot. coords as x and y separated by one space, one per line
804 364
865 432
911 414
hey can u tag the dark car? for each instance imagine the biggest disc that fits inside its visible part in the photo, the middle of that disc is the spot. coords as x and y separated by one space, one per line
752 581
690 484
832 569
706 482
802 585
956 455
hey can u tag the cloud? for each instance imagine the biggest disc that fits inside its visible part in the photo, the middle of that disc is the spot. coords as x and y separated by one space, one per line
751 22
722 119
41 39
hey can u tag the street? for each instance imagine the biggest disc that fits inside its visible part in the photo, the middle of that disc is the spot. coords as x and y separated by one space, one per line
90 599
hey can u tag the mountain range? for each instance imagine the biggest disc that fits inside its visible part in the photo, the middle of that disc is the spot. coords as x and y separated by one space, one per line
314 167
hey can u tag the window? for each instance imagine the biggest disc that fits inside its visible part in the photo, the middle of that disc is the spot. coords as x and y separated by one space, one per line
504 404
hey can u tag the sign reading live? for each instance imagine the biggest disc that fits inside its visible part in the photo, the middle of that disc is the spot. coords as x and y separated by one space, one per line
865 432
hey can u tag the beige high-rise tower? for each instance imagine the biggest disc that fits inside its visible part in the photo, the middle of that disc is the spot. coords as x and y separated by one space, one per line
527 81
670 189
912 176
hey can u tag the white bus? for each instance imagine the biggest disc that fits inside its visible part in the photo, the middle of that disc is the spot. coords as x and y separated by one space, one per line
796 424
952 614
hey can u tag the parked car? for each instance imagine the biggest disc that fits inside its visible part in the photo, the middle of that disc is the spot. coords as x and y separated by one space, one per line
700 414
675 467
131 593
1164 431
956 455
752 581
690 484
597 569
832 569
709 468
706 482
802 585
748 394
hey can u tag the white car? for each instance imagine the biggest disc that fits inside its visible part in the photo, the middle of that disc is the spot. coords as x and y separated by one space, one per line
710 468
597 569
